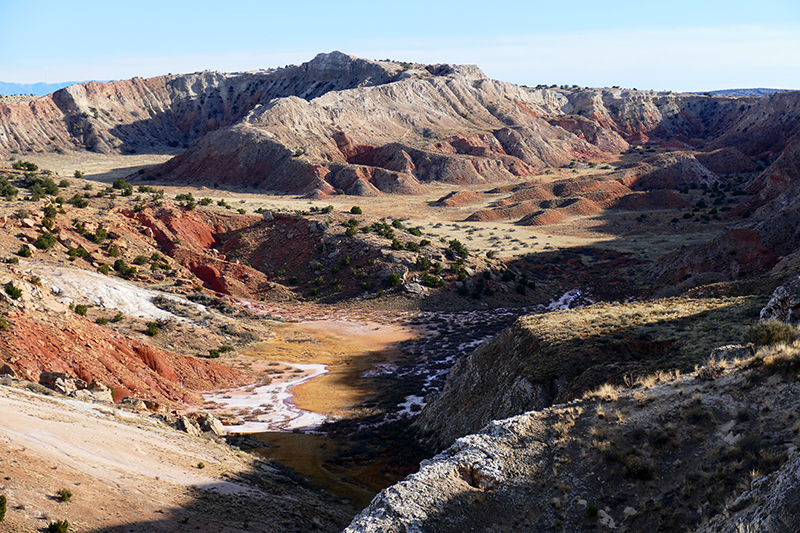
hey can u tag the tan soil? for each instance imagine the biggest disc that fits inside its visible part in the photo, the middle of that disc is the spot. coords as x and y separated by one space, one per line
122 469
347 348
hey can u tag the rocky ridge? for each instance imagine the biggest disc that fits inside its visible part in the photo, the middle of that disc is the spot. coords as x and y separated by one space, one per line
711 449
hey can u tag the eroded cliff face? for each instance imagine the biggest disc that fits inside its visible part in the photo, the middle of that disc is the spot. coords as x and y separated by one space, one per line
170 111
674 453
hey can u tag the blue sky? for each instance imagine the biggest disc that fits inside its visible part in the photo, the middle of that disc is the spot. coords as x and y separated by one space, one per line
678 45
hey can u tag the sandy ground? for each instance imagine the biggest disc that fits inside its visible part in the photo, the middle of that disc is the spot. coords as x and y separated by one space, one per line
120 467
96 166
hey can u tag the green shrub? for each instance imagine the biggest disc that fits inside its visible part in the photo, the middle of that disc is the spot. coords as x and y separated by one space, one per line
394 280
356 210
113 251
25 251
101 321
592 512
225 348
293 280
63 183
103 269
14 292
3 505
213 354
23 213
7 190
121 184
397 224
140 260
638 468
423 263
119 317
351 231
78 201
78 252
81 309
24 165
455 247
59 526
100 235
770 332
431 281
415 232
78 175
64 495
45 241
151 329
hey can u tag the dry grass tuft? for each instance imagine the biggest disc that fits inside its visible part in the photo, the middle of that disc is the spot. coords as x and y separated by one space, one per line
606 392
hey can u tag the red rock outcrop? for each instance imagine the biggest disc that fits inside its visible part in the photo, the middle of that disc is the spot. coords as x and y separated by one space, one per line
54 343
459 199
192 238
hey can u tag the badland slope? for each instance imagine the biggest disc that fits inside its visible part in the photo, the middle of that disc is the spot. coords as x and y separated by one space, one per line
340 122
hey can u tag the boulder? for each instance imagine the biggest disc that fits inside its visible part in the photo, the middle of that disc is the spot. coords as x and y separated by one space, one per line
414 288
6 370
189 426
61 382
784 304
83 395
133 403
212 424
402 270
733 351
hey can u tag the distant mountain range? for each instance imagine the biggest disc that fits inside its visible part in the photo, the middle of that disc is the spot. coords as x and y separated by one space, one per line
38 89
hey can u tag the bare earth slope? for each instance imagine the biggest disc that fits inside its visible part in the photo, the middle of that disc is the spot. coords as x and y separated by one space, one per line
127 472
